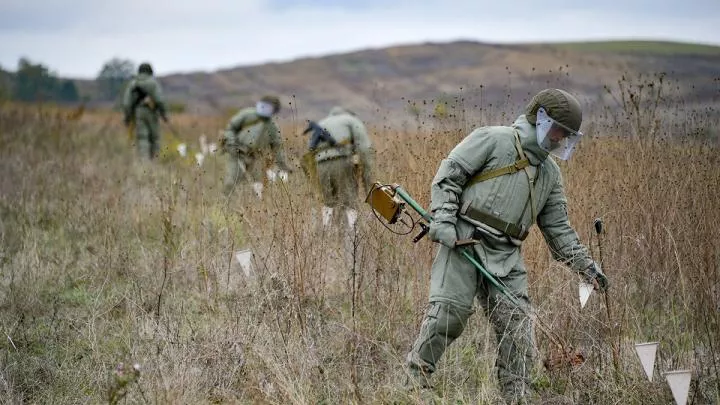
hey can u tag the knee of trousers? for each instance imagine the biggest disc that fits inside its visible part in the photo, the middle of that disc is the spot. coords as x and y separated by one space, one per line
443 324
449 320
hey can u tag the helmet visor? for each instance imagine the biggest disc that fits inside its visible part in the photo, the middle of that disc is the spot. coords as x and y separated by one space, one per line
558 143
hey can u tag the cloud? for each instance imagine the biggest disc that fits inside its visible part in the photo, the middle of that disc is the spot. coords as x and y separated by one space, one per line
75 37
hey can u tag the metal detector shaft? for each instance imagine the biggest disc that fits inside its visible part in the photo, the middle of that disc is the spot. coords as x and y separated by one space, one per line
406 197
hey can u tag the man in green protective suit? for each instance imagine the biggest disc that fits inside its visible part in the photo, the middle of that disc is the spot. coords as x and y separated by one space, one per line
143 104
334 158
249 136
492 187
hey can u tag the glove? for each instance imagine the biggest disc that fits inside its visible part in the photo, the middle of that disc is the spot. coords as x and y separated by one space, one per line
594 275
443 233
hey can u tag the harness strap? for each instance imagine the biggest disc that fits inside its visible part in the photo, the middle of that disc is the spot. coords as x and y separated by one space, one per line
510 229
491 174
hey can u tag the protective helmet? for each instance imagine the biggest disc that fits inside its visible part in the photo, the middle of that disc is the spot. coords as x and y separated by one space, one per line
559 105
145 68
555 108
267 106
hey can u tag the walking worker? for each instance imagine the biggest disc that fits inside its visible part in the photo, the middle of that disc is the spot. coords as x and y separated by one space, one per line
249 136
491 188
143 104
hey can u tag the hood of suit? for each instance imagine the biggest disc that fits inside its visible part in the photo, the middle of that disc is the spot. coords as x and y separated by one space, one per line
528 140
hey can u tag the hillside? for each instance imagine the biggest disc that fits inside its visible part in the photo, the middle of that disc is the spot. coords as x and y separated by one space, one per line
378 83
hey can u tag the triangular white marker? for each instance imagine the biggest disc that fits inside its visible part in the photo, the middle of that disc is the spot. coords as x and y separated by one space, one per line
585 290
199 157
244 257
679 382
646 353
182 149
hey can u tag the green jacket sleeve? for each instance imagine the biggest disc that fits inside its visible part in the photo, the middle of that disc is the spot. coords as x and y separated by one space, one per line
467 158
234 126
277 146
128 100
363 147
559 235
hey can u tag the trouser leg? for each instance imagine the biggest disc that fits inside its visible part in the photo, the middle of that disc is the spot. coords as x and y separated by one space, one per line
452 290
142 137
234 173
153 138
443 324
513 332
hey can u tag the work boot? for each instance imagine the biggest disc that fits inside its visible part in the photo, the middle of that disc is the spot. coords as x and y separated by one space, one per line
258 189
327 214
351 216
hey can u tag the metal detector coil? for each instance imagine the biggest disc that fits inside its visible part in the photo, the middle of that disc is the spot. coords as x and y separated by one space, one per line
385 202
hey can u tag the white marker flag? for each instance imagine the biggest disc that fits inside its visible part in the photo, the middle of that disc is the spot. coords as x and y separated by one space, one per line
585 290
182 149
244 257
679 382
646 352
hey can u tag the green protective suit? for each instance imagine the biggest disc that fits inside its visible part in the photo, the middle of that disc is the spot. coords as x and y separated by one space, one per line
455 282
248 139
335 167
144 104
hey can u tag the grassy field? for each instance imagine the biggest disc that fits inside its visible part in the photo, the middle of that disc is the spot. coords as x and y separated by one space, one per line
107 260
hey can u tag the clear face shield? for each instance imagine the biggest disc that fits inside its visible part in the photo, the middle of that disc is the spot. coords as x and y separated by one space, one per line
264 109
554 137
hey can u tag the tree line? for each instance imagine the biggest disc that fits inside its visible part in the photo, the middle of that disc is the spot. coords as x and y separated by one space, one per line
36 82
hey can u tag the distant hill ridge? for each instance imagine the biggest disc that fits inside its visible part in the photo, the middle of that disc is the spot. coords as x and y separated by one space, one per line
385 82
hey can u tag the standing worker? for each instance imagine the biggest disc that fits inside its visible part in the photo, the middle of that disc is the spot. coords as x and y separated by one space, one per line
249 135
334 158
143 104
493 186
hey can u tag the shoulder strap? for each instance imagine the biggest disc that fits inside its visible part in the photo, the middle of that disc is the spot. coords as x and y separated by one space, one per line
513 168
531 182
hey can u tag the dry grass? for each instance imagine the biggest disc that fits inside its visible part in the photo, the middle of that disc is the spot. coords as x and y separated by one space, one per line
106 260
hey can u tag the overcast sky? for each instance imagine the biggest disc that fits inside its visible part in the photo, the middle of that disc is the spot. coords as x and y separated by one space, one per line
75 37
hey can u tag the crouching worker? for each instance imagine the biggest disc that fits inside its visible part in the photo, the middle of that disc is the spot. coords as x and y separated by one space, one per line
336 140
249 139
